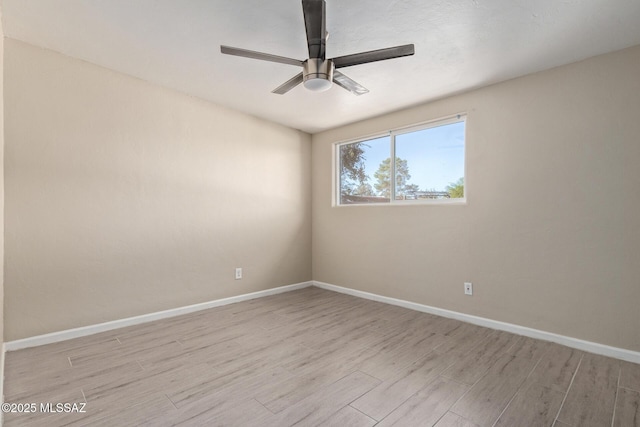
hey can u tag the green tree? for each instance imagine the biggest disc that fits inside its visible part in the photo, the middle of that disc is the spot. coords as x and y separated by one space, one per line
383 174
364 189
353 179
456 189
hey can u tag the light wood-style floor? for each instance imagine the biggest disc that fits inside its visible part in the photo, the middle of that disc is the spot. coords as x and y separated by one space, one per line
314 357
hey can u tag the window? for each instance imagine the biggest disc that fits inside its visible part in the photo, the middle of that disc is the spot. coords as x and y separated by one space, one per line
428 166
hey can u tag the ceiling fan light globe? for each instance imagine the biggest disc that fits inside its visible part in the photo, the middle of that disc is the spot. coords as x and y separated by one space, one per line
317 84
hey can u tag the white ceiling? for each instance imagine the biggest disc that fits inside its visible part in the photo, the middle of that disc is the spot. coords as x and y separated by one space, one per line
460 44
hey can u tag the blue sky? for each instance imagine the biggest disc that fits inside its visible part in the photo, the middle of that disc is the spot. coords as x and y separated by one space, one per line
435 156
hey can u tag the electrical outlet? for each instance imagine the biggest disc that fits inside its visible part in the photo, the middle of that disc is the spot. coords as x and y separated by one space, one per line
468 288
238 273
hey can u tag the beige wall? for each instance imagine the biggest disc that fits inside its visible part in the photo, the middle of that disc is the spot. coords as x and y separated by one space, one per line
550 236
124 198
1 206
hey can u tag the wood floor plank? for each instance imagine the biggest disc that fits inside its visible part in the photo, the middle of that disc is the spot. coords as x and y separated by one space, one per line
226 385
408 319
627 413
389 323
383 399
322 306
357 334
533 406
378 348
158 335
328 400
448 327
263 357
245 413
350 417
590 399
529 348
173 357
557 367
94 349
462 339
630 375
426 407
291 390
49 383
479 360
117 355
387 365
210 346
347 356
140 387
19 364
212 335
206 406
138 414
454 420
486 400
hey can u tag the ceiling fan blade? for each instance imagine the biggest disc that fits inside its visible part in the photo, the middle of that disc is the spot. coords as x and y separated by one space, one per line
314 22
288 85
348 84
373 56
259 55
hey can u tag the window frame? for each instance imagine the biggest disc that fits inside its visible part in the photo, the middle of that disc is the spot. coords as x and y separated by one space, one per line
443 121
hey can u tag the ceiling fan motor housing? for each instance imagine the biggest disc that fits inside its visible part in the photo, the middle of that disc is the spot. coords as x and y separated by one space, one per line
317 74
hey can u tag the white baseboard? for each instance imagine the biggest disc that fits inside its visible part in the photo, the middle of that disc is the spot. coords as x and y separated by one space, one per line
121 323
618 353
591 347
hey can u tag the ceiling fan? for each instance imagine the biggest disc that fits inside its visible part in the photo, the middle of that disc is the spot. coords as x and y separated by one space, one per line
318 73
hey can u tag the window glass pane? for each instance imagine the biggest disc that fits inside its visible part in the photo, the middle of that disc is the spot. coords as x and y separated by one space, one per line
430 163
359 163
